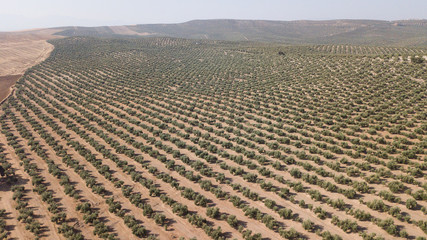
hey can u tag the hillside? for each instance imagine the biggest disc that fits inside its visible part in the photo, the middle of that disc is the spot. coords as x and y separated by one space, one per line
20 51
357 32
163 138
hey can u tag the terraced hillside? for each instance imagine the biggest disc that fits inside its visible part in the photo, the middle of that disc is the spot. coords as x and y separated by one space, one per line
168 138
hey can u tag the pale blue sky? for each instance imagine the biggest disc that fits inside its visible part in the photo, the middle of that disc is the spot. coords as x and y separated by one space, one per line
24 14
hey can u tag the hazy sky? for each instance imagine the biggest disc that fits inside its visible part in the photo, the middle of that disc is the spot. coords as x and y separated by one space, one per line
24 14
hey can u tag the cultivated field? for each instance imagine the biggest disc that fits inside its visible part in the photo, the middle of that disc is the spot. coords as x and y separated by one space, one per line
20 51
165 138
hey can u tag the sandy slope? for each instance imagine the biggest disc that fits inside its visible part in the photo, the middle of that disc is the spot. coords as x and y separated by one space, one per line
20 51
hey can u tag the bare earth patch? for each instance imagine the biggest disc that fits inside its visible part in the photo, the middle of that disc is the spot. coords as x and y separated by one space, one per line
20 51
6 82
124 30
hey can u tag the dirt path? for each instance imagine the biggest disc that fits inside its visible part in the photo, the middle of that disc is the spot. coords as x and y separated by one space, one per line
6 83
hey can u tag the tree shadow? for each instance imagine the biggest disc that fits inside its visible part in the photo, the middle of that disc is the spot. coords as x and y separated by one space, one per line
6 183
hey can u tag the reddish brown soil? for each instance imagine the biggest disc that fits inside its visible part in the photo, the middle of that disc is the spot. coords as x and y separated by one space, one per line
6 82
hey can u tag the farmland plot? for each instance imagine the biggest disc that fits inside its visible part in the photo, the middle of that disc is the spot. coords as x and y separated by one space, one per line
165 138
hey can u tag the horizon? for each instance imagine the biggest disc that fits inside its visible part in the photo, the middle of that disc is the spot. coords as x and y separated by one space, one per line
22 15
213 19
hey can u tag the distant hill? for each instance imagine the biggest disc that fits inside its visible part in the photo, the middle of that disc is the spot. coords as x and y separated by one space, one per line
358 32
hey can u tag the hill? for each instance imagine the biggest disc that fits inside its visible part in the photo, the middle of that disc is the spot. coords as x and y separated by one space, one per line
357 32
20 51
168 138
